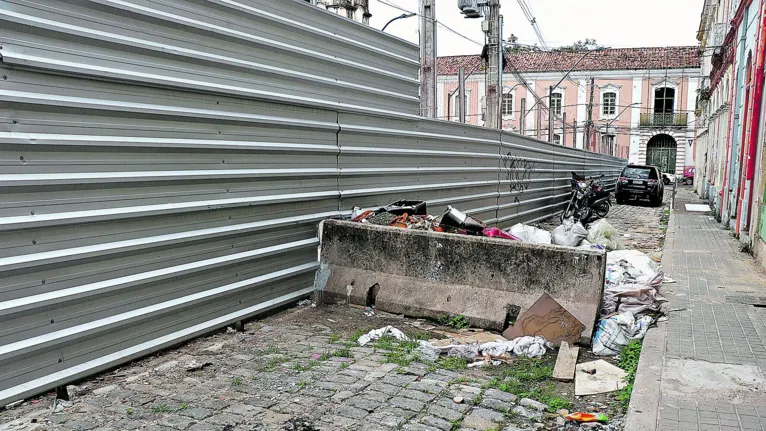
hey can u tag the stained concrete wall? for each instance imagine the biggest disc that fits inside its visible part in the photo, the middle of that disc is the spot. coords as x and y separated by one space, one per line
430 274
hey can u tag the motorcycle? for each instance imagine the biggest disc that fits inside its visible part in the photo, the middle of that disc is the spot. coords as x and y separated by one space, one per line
588 198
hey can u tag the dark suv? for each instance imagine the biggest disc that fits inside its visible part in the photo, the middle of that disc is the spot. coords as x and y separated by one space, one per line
640 182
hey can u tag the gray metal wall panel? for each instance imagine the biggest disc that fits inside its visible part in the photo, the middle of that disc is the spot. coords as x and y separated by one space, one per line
164 165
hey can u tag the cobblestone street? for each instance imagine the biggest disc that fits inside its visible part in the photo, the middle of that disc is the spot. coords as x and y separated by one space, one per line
299 370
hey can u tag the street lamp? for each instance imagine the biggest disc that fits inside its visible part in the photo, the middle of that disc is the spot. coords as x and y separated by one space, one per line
404 15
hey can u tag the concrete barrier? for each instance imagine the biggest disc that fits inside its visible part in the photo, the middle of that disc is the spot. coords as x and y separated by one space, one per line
430 274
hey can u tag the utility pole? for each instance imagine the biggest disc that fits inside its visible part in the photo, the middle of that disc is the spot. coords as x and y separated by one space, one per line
491 27
589 121
523 124
563 128
428 58
539 131
550 114
461 93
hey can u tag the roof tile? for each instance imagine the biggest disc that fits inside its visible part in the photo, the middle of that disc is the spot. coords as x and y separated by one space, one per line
674 57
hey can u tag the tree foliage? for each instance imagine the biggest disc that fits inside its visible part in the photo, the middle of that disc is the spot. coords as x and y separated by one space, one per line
579 46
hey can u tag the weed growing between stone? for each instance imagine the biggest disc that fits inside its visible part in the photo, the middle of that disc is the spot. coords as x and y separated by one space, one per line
529 378
629 362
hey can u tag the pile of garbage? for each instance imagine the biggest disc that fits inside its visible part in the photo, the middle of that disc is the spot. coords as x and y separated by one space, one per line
600 235
631 302
480 348
408 214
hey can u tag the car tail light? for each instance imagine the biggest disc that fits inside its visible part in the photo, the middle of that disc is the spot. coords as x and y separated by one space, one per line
652 182
623 179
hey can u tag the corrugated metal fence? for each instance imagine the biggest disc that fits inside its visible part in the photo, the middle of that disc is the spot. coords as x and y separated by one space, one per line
164 164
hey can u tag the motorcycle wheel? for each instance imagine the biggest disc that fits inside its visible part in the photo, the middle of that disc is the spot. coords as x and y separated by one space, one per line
602 210
583 214
569 212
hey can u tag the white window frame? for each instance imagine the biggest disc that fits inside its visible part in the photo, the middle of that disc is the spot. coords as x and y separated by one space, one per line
559 91
610 88
512 115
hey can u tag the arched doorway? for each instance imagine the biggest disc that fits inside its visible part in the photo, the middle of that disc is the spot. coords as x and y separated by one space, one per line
661 152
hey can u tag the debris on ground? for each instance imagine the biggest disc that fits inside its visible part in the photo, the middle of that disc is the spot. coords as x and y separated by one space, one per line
530 234
377 334
604 234
306 303
570 233
607 378
616 332
566 362
547 318
632 284
587 417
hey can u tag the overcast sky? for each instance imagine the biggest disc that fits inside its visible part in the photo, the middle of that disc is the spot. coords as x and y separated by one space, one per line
634 23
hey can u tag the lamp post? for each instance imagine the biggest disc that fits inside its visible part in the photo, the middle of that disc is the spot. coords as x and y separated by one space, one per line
402 16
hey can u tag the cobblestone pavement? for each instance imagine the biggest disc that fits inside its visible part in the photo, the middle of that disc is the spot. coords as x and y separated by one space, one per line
712 351
296 370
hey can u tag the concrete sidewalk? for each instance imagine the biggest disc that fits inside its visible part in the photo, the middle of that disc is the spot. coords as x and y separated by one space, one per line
704 368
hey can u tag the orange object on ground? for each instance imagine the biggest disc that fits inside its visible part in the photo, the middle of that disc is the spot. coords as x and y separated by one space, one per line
586 417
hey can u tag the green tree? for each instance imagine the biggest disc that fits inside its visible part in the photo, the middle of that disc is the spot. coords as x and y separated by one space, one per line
579 46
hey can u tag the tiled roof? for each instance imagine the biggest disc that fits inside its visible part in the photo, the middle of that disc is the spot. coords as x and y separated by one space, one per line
674 57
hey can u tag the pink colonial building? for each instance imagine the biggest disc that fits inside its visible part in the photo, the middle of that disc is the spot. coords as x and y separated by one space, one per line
641 100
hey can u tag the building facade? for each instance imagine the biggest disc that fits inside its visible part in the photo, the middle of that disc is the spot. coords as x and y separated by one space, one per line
640 101
729 149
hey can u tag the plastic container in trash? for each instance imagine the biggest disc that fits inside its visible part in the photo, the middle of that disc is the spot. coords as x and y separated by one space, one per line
406 206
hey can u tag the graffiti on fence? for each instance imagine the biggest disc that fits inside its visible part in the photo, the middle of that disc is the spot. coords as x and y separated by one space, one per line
519 174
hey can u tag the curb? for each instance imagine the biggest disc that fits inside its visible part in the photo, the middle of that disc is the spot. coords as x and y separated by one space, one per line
644 408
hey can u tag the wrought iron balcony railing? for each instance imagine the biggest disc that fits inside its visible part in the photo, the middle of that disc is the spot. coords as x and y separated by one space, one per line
664 120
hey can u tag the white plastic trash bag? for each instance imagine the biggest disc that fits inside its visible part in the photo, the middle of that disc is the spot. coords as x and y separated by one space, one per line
426 352
532 347
616 332
605 235
570 233
632 266
376 334
530 234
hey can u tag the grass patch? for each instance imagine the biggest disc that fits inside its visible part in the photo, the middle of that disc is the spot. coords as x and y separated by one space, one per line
454 425
129 410
458 322
161 408
324 356
397 351
184 406
629 362
302 384
343 366
529 378
305 367
236 381
271 350
452 363
344 352
334 338
273 363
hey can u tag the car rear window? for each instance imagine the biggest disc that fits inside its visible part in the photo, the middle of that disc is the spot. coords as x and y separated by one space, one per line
640 173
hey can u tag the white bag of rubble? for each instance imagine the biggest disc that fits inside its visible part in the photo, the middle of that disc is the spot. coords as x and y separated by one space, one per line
616 332
533 347
377 334
605 235
530 234
570 233
632 266
638 299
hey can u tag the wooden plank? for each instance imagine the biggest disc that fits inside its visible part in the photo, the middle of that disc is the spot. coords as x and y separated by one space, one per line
566 362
